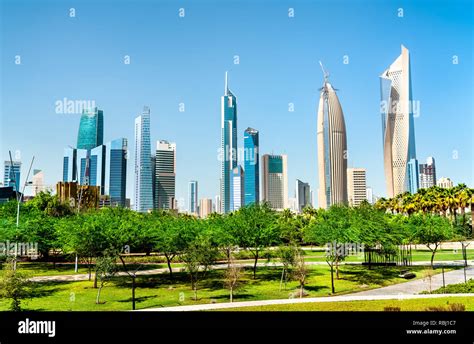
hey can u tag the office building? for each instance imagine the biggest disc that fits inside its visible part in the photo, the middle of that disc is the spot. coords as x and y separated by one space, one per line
356 186
302 195
238 185
91 129
251 166
12 174
428 173
275 181
193 197
398 127
165 172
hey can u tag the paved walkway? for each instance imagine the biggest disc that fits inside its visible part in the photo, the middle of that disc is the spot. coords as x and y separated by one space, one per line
85 277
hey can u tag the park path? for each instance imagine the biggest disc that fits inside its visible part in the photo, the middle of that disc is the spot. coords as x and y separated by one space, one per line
85 277
401 291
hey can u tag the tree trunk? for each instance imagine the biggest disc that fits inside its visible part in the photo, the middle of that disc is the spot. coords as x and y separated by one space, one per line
281 279
97 301
133 292
231 294
89 267
95 280
301 290
432 257
168 260
255 265
337 269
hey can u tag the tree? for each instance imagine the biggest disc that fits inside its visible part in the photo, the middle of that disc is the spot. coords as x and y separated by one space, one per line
333 229
106 268
231 277
198 257
299 270
14 285
286 253
431 230
256 229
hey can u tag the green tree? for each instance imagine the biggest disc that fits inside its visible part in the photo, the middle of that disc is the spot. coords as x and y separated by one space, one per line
14 285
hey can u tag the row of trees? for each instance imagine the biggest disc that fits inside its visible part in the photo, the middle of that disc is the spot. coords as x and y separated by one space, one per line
99 237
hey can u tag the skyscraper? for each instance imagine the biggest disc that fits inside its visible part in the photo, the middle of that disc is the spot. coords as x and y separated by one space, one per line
97 168
332 148
228 150
251 166
165 171
91 129
275 181
70 165
398 127
217 202
83 166
193 197
38 182
12 174
205 207
302 195
428 173
116 171
143 176
238 185
356 185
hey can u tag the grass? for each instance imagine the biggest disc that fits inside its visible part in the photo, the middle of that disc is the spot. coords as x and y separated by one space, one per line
161 291
361 306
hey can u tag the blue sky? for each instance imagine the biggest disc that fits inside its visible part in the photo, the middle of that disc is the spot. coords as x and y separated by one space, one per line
183 59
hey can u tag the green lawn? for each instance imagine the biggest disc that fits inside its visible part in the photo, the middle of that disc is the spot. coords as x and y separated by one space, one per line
159 290
356 306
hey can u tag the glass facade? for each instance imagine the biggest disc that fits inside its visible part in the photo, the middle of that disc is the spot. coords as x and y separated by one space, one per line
116 171
228 147
143 175
165 171
97 163
11 175
193 197
69 165
91 129
251 166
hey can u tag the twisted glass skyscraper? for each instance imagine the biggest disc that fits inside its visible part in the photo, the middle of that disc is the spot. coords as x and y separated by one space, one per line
228 150
332 148
143 177
398 129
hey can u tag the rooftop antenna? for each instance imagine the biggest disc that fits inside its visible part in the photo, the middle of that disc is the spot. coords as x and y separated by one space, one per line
226 88
326 74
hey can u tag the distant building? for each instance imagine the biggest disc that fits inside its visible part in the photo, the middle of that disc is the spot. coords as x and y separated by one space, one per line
398 129
369 194
12 174
218 204
275 181
7 193
303 195
238 182
91 129
143 188
251 166
97 167
356 186
165 171
116 171
428 173
81 196
193 197
38 182
445 183
205 207
293 204
228 146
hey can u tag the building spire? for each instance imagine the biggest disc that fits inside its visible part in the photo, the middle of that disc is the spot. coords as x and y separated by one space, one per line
226 87
326 74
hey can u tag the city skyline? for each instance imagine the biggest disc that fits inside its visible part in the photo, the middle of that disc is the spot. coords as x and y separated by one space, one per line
261 97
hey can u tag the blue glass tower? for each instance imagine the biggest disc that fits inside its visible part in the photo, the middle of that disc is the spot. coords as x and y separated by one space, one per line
116 171
97 167
251 166
193 197
91 129
143 175
228 151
